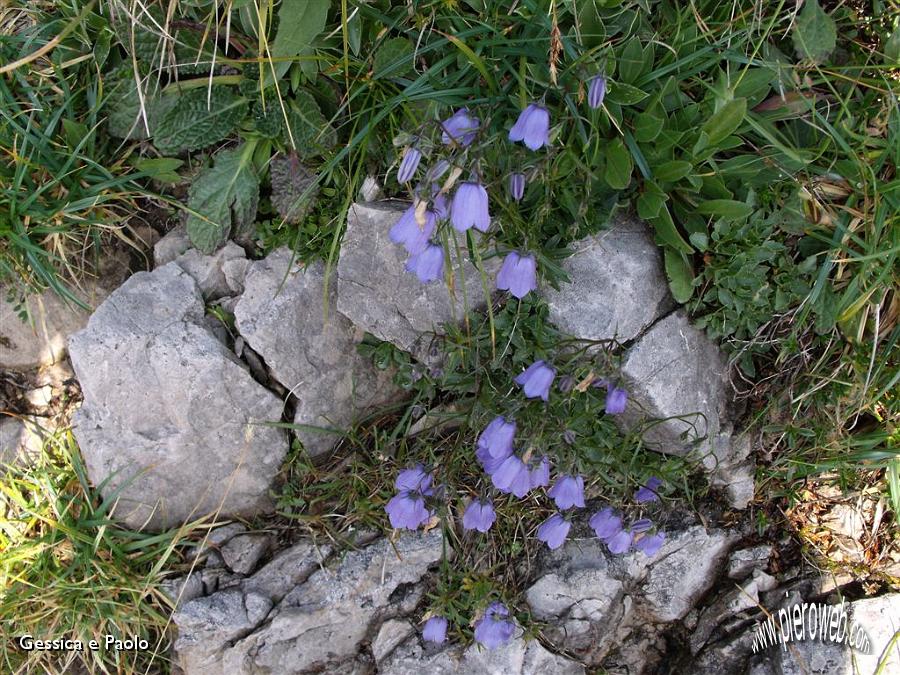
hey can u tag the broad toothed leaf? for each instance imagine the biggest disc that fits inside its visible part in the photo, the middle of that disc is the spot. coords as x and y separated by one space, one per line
294 187
198 119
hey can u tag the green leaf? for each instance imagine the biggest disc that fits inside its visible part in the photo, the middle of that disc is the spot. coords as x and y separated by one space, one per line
222 198
724 208
625 94
669 172
163 169
294 187
354 32
631 61
618 165
725 121
667 233
299 22
650 201
680 274
815 35
310 133
394 58
588 24
647 126
196 121
124 105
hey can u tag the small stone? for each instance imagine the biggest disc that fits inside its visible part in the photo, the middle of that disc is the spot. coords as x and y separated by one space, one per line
215 539
40 397
172 245
390 634
182 589
370 190
743 562
244 551
209 270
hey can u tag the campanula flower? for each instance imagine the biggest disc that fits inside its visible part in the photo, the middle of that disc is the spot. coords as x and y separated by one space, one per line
460 128
407 231
512 476
494 629
439 169
606 524
621 542
616 399
488 462
408 165
479 515
596 91
518 275
470 208
568 491
540 474
415 479
641 525
440 207
498 437
536 380
650 544
407 510
648 492
554 531
428 265
435 630
532 127
517 186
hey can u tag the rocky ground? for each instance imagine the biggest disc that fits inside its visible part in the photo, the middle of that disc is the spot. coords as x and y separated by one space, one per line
179 412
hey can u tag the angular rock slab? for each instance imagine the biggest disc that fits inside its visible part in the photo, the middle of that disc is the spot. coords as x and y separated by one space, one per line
377 293
618 287
170 416
319 624
282 316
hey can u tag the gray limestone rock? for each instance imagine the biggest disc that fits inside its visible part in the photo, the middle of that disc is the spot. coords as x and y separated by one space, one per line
218 275
243 551
618 287
282 317
377 293
170 416
742 562
391 634
173 244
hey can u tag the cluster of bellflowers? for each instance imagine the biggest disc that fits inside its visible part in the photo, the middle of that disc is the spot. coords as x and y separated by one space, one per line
417 229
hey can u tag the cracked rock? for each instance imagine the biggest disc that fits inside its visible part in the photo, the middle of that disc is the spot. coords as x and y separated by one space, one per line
377 293
742 562
173 244
243 551
218 275
282 317
617 287
170 417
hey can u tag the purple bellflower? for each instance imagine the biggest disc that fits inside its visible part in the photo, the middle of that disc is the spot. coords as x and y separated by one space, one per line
440 207
406 231
606 524
648 492
408 165
517 186
568 491
650 544
536 380
616 399
479 515
532 127
512 476
554 531
498 437
518 275
621 542
596 91
470 208
488 462
460 128
439 169
494 629
428 265
641 525
415 479
540 474
435 630
407 510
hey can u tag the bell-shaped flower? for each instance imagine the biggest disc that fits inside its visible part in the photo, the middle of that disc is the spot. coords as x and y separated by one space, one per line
596 91
408 232
488 462
460 128
621 542
568 491
512 476
470 208
517 186
435 630
606 524
648 492
414 479
536 380
439 169
554 531
650 544
616 399
407 510
428 265
408 165
494 629
518 275
440 207
532 127
540 473
498 437
479 515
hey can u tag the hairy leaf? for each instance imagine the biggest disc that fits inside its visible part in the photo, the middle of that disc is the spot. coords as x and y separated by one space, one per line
299 22
310 133
815 35
294 187
199 118
394 58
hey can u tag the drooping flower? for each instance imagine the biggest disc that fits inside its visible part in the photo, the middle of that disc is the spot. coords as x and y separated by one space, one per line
606 524
650 544
641 525
435 630
440 207
517 186
568 491
518 275
616 399
408 165
460 128
414 479
470 208
532 127
407 231
596 91
407 510
494 629
479 515
512 476
648 492
498 437
540 474
554 531
488 462
566 384
536 380
621 542
439 169
428 265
